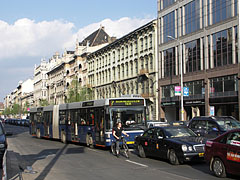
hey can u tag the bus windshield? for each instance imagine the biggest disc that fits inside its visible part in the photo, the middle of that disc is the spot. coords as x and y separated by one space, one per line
130 117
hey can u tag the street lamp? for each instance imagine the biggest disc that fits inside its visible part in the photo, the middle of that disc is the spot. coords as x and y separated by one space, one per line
181 73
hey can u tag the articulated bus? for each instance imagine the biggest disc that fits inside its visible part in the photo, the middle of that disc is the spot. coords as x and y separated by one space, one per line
90 122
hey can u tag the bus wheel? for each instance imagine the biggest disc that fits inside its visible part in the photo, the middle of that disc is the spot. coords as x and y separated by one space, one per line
89 141
38 134
64 139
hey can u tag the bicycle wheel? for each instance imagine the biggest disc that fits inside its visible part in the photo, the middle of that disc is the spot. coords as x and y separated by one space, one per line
113 149
126 150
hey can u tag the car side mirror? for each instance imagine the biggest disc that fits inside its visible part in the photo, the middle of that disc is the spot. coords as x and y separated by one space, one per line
8 133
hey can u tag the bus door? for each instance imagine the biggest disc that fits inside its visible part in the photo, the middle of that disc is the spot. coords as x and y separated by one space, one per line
99 126
46 123
74 125
33 118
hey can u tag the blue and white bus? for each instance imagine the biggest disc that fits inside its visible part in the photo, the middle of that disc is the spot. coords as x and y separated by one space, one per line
90 122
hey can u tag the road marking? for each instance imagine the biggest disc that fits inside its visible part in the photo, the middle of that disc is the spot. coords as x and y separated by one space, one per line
136 163
93 150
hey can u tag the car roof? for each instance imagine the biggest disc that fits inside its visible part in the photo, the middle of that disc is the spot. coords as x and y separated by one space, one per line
169 126
216 118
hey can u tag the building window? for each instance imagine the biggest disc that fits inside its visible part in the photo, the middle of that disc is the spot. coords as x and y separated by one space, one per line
146 43
136 47
127 51
168 26
141 41
195 87
131 49
136 66
221 10
169 62
122 70
223 85
150 41
192 51
132 88
126 69
114 57
222 48
131 66
166 3
119 72
118 55
142 63
136 87
143 87
151 61
192 17
168 91
146 63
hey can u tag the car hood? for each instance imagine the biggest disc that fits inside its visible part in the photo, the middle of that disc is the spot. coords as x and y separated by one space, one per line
192 140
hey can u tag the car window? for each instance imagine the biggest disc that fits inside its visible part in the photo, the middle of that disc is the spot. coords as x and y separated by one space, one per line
178 132
199 124
234 138
148 133
159 133
212 126
1 130
228 124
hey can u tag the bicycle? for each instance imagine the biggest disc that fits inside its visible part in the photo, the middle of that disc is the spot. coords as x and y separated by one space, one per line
123 148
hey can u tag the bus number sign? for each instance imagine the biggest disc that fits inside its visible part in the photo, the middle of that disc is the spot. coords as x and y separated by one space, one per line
127 102
90 103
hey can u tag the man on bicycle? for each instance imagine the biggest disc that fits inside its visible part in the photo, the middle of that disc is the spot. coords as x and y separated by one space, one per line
117 133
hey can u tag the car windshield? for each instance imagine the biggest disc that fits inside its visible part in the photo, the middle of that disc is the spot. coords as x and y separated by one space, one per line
178 132
228 124
1 130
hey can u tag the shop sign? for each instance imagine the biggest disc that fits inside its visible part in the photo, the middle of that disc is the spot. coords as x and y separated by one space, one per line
194 102
168 103
177 90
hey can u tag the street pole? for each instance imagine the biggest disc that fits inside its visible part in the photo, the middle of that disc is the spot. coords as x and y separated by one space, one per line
181 74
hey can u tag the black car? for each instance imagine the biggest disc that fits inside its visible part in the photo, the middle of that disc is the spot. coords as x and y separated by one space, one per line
212 126
3 143
175 143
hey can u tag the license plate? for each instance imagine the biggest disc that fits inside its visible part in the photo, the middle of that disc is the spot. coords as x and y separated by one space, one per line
130 142
201 154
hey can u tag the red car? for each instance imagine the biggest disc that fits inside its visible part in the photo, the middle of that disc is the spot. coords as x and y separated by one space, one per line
223 153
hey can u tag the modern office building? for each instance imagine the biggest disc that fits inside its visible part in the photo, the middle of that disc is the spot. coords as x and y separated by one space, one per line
202 36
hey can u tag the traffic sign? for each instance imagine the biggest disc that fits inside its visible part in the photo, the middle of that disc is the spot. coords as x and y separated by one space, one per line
185 91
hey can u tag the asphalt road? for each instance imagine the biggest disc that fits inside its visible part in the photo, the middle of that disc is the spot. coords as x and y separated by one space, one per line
49 159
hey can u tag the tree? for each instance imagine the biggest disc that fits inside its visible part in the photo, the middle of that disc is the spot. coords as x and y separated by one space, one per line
77 93
16 109
44 102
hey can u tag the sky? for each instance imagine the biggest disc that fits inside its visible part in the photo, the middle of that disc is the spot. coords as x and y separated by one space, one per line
31 30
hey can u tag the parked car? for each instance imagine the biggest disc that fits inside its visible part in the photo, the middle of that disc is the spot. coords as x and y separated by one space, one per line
212 126
223 153
175 143
3 142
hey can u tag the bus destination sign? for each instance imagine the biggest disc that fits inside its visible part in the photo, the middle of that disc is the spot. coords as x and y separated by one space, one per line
126 102
86 104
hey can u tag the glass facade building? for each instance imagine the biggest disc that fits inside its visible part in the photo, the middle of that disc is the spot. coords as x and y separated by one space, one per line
207 31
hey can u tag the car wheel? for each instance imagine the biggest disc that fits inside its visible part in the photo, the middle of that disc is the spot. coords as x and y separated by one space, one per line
218 168
173 157
141 151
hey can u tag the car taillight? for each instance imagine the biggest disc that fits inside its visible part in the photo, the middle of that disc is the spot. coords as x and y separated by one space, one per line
209 143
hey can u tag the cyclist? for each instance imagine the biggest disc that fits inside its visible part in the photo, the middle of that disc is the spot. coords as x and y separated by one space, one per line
117 133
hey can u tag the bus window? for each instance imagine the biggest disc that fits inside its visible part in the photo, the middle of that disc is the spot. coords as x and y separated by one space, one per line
90 117
62 117
83 117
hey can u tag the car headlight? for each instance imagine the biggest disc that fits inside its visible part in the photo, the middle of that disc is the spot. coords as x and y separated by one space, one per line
184 148
190 148
2 145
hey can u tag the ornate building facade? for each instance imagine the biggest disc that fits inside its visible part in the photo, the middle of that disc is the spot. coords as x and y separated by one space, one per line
127 66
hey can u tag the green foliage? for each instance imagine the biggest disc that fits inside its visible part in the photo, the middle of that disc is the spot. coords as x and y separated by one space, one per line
44 102
77 93
16 109
7 111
